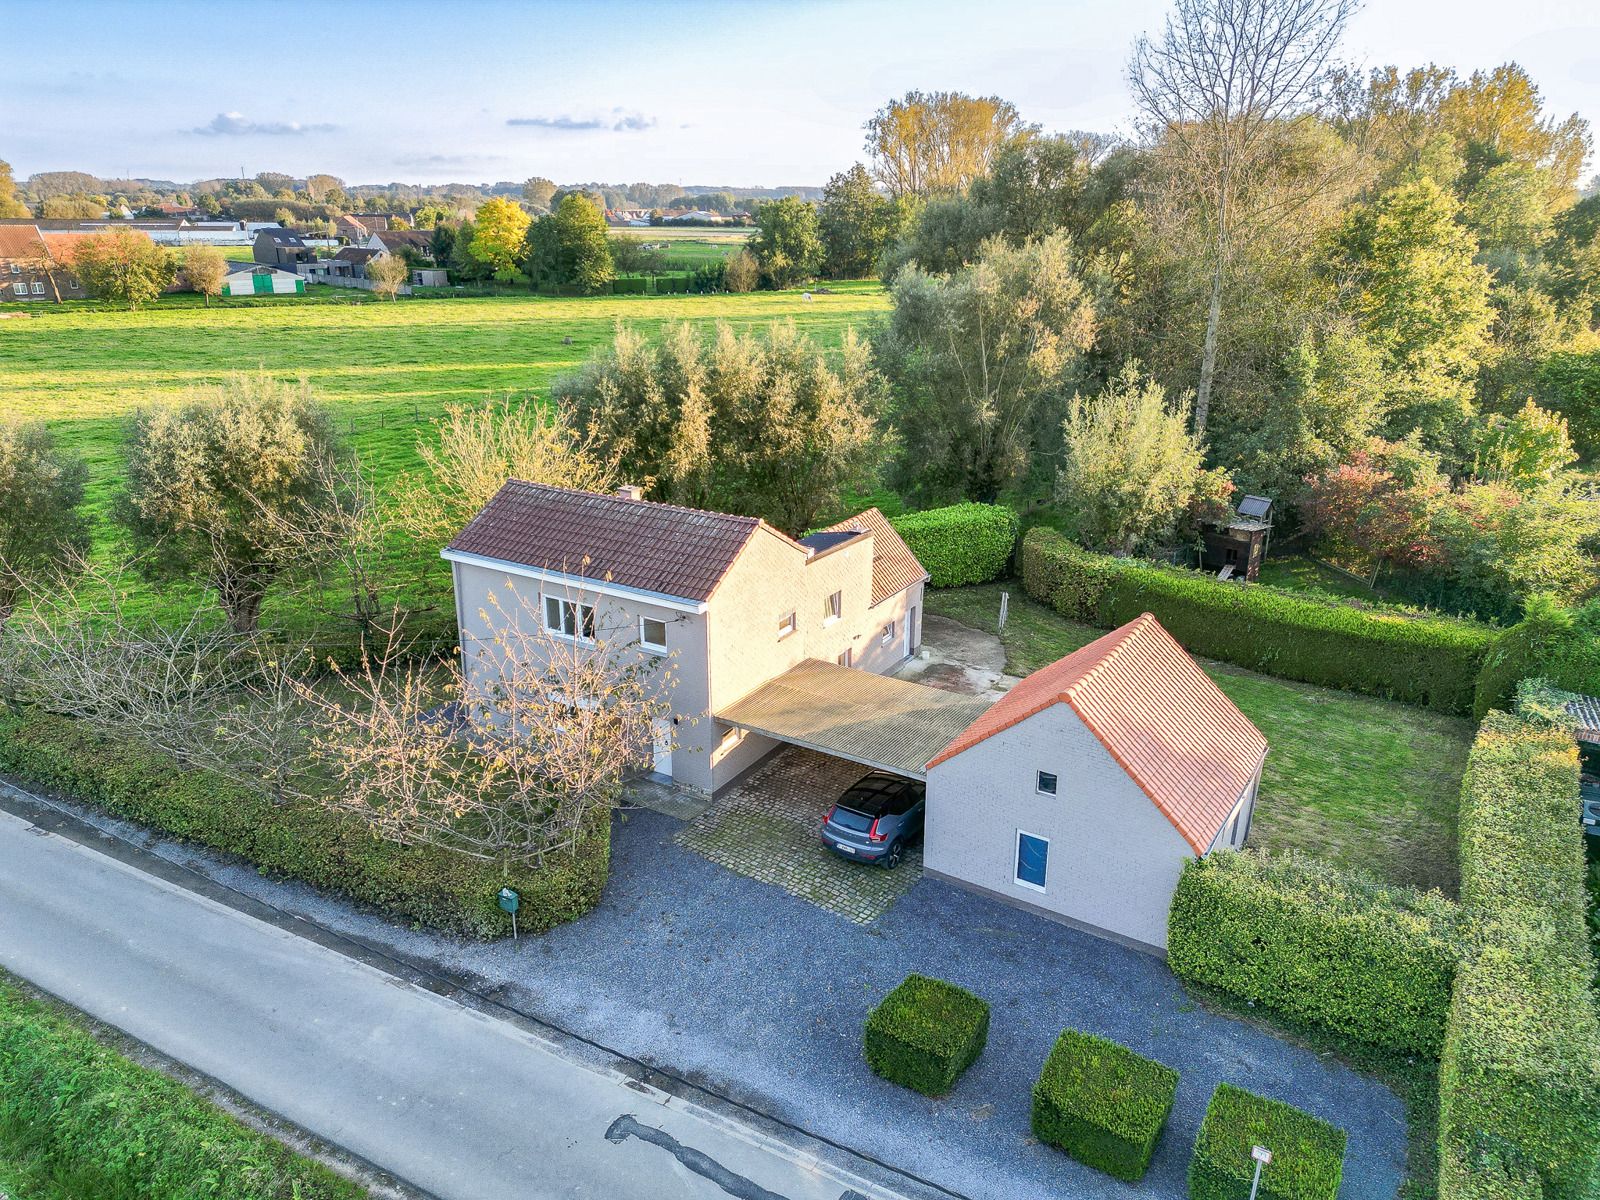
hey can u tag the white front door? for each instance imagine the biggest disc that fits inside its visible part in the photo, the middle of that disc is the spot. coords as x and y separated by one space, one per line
661 752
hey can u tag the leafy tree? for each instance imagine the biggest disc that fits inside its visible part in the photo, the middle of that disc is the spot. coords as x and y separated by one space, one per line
742 272
1498 116
936 143
497 234
569 247
1529 451
1509 208
771 425
124 266
205 268
1378 509
1131 465
443 244
973 358
788 243
1506 546
73 208
1215 91
325 189
854 224
1423 301
210 481
631 256
42 528
388 273
464 264
538 191
11 204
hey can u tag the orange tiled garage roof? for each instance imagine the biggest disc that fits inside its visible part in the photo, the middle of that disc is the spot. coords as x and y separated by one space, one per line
1174 732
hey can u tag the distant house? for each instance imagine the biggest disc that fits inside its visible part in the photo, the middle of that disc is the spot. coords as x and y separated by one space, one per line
352 229
392 241
351 261
697 216
1083 790
259 279
35 265
280 247
376 222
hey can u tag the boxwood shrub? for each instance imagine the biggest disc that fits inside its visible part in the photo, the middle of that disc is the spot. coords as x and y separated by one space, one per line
85 1115
1102 1103
1519 1077
298 840
1430 661
961 544
924 1033
1307 1152
1294 933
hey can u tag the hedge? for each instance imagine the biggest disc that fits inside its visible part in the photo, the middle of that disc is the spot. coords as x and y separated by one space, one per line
1307 1152
1519 1076
925 1033
1430 661
1294 933
961 544
1561 646
1102 1103
630 285
88 1116
298 840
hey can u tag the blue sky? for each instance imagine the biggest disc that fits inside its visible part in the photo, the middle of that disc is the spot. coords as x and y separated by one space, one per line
693 91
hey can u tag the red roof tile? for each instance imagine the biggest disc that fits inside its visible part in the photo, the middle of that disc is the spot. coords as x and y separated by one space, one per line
20 241
663 548
1172 729
894 567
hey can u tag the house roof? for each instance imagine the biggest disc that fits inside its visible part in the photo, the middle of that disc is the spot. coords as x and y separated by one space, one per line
357 254
1174 732
682 552
1585 711
246 267
20 241
894 567
417 239
280 237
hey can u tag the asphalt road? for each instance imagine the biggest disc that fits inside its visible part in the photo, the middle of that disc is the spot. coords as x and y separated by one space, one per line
450 1100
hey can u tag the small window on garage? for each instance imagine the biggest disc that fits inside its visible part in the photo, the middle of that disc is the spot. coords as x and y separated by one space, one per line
1045 783
887 635
1033 860
652 633
845 659
832 607
785 625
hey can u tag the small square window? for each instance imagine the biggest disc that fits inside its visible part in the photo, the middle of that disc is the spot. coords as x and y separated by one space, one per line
785 625
887 635
844 660
652 633
1046 784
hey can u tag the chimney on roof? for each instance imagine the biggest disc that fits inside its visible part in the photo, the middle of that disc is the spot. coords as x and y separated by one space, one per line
631 491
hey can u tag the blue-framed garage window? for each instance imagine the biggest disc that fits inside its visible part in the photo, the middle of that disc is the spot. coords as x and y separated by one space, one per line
1033 860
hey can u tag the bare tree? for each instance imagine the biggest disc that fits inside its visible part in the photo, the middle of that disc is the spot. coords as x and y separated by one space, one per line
507 757
388 274
1214 90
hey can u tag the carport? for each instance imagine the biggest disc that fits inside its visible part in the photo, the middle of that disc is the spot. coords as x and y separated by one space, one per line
883 723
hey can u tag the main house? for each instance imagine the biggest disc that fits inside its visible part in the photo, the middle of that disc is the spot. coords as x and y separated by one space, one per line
36 265
735 602
1080 793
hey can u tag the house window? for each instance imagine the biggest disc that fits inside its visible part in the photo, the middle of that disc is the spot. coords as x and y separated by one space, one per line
38 288
16 268
569 618
832 607
21 288
844 660
652 633
1033 860
731 738
1045 785
785 625
887 635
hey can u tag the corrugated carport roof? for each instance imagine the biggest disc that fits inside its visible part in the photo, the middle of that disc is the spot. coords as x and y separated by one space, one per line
870 719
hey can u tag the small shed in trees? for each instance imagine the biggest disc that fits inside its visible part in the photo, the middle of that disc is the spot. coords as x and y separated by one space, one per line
1238 545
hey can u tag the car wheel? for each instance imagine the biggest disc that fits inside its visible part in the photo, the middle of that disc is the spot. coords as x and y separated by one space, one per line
892 859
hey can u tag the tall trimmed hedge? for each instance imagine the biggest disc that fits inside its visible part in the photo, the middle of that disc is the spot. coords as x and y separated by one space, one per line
1519 1077
1295 934
1430 661
298 840
1561 646
1102 1103
925 1033
960 544
111 1127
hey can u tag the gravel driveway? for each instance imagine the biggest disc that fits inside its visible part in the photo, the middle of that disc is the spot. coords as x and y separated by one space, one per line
761 996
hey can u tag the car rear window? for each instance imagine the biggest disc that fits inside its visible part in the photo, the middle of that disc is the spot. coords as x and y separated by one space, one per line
851 819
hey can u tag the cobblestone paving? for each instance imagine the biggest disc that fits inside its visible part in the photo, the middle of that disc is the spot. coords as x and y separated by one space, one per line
766 827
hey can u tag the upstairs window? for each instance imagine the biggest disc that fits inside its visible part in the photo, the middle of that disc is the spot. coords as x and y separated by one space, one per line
569 618
785 625
652 633
1045 785
832 607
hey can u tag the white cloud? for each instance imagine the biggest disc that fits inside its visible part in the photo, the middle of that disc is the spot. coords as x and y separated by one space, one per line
234 124
618 121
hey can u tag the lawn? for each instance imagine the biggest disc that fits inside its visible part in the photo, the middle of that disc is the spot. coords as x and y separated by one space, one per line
1370 784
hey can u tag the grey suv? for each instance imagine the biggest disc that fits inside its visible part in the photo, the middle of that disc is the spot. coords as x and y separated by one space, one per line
877 818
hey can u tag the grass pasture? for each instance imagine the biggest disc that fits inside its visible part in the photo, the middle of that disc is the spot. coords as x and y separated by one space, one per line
1369 784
